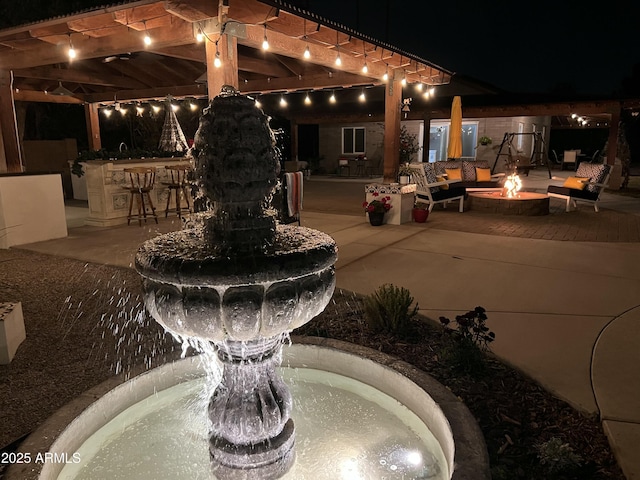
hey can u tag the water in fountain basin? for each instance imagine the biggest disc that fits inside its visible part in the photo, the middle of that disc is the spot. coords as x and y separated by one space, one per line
345 429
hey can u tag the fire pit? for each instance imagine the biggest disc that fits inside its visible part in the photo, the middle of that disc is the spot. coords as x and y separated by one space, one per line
522 203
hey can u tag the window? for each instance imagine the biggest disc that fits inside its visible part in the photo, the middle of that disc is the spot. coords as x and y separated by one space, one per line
439 140
520 139
353 140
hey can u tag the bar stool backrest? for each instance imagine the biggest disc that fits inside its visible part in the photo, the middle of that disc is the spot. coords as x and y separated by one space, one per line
178 173
141 178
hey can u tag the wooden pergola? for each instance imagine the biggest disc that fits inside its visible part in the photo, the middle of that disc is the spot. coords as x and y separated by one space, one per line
113 63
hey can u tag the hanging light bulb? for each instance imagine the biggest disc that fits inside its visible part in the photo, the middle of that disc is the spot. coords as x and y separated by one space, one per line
216 61
307 53
175 107
403 81
265 42
107 112
307 100
426 93
258 104
362 97
365 69
147 38
385 77
199 36
72 51
155 108
338 59
419 86
332 98
193 106
139 110
123 111
283 102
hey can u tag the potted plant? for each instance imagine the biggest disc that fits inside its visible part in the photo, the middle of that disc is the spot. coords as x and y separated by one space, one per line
409 145
404 173
377 208
484 140
420 212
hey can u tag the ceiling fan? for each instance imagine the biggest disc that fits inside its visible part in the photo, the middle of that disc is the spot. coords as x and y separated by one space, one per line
119 56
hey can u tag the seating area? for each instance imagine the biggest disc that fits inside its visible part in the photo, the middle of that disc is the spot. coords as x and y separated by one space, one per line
431 190
473 175
587 184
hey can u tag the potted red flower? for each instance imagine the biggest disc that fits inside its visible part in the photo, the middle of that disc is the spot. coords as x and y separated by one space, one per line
376 209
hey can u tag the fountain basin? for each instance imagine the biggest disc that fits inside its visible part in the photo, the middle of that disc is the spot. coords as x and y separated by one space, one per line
458 438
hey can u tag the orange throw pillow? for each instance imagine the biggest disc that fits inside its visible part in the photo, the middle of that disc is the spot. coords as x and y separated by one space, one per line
454 173
483 174
442 179
575 183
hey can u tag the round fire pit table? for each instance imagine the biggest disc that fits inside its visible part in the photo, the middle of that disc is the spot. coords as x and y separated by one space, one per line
524 203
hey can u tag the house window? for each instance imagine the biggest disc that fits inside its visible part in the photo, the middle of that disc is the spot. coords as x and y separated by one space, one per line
353 140
439 140
520 139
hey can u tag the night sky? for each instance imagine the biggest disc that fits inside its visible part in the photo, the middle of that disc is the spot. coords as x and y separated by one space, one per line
536 46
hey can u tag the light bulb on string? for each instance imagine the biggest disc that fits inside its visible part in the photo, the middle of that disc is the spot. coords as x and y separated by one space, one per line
147 38
175 107
332 98
216 61
385 77
265 42
307 53
139 110
258 104
199 36
193 106
283 102
362 97
307 100
107 112
72 51
338 60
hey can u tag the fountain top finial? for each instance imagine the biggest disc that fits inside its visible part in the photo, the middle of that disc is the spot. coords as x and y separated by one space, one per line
228 91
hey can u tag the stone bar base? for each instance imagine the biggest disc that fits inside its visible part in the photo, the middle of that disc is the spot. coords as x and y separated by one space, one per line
12 332
402 200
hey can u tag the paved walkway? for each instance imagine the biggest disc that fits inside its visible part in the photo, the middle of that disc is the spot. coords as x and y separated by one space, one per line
561 291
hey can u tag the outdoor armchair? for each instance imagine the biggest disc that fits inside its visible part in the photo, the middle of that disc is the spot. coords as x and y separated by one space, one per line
431 190
590 180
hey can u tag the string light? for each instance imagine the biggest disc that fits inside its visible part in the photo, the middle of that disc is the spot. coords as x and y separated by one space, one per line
216 61
199 36
155 108
332 98
307 53
338 59
307 100
283 102
139 110
362 97
385 77
107 112
258 104
419 86
175 107
404 78
193 106
265 42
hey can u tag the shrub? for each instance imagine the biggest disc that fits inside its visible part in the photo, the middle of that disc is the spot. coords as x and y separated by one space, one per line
557 457
388 309
471 339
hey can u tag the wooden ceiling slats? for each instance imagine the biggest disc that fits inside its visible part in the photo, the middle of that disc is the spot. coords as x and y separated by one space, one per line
192 11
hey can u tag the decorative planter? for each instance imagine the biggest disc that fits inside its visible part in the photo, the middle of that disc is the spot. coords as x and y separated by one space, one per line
404 179
376 218
420 215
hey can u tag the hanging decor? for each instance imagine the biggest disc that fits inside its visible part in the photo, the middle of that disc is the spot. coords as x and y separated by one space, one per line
172 138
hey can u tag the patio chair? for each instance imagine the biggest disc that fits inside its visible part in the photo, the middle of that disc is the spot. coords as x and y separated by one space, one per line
586 186
554 158
432 191
570 159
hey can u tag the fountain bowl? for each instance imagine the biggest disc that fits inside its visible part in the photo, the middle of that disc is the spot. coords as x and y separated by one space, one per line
446 416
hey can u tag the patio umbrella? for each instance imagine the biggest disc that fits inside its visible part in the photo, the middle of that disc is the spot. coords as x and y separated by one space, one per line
455 131
172 138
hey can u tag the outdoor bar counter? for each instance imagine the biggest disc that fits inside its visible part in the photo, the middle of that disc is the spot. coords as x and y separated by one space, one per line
106 182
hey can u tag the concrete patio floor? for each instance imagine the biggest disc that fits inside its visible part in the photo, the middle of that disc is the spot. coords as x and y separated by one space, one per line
565 309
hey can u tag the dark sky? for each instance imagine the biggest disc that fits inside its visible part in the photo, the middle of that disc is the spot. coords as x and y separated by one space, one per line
519 46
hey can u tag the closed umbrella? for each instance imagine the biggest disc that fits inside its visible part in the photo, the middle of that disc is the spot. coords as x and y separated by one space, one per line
455 131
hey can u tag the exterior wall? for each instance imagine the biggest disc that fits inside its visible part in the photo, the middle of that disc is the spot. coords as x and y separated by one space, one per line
495 127
51 156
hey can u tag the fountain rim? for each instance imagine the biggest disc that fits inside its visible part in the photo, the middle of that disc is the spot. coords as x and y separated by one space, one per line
462 442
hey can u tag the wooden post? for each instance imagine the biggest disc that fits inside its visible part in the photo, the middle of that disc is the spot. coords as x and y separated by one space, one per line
8 125
227 73
392 102
93 126
426 136
612 149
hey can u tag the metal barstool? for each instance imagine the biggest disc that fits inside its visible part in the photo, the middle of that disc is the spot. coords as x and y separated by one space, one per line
141 180
178 183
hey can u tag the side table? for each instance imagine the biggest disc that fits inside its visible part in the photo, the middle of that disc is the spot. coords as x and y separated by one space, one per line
402 199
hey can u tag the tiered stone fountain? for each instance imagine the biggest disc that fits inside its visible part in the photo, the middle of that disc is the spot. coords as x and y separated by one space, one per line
242 283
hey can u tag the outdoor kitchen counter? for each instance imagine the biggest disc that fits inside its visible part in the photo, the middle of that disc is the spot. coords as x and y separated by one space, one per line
107 197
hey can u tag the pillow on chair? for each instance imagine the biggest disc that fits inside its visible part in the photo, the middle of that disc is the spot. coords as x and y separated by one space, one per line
454 173
575 183
483 174
442 179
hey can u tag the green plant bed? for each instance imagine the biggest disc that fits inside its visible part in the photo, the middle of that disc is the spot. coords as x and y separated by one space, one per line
524 425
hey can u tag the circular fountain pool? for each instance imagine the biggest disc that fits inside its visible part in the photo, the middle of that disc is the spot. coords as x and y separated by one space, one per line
356 418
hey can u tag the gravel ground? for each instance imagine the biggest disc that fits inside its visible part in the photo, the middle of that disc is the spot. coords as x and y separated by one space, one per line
86 322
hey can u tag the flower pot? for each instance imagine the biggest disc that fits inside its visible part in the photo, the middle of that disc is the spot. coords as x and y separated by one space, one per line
376 218
404 179
420 215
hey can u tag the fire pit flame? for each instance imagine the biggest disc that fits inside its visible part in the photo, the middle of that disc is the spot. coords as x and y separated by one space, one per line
512 186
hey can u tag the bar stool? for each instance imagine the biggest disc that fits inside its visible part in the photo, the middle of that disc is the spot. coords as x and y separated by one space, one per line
141 183
177 183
